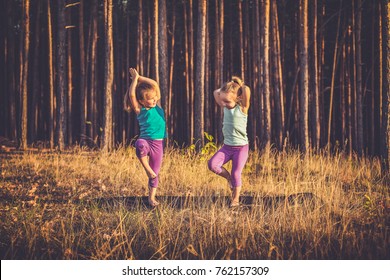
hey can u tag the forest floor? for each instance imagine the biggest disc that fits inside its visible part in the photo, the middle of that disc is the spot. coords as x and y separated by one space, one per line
82 204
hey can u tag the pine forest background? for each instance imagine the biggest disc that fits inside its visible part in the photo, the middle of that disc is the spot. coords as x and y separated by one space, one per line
317 70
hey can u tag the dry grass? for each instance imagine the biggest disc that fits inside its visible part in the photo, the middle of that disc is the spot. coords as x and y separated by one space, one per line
83 205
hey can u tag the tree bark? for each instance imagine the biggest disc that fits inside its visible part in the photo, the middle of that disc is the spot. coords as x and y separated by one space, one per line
83 84
24 74
10 73
386 105
163 54
200 73
187 73
107 137
171 69
304 77
155 47
316 124
278 78
69 101
219 79
191 69
359 86
241 48
36 96
61 77
266 78
51 77
335 62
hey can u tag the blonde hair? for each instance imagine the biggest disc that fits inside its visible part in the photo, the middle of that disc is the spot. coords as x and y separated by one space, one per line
234 85
140 91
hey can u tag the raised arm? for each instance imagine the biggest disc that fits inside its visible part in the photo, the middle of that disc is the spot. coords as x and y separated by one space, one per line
135 105
245 98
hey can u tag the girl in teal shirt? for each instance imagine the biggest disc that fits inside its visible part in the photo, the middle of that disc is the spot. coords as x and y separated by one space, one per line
143 96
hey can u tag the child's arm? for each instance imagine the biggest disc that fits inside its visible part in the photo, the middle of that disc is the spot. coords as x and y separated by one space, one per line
245 99
133 99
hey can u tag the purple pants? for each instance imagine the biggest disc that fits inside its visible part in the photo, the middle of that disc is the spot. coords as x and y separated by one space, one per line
237 154
153 149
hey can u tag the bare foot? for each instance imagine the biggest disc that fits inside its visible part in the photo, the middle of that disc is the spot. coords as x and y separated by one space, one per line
153 203
234 204
152 197
235 197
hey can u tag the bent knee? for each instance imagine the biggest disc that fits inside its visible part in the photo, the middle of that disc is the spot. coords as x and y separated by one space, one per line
141 148
214 167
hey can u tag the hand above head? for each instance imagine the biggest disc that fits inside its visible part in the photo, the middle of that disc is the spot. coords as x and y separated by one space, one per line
134 74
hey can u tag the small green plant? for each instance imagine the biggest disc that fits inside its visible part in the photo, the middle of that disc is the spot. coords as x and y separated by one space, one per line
369 205
209 148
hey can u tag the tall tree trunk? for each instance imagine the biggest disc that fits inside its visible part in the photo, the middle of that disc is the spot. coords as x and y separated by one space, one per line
35 97
200 72
241 48
304 77
382 141
107 137
3 68
51 76
257 113
343 95
61 77
92 95
321 72
140 45
316 124
70 80
10 73
24 74
207 119
219 78
278 78
83 84
163 53
155 47
354 91
359 88
335 61
191 69
386 105
350 105
266 75
373 63
187 74
171 69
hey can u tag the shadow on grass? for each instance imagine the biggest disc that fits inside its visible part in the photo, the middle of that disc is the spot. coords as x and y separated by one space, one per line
306 199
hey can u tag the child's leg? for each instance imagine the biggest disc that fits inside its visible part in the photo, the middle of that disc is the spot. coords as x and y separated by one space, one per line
155 160
142 150
238 162
217 161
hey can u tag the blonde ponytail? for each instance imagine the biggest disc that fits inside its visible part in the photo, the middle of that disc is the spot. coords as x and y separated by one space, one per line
237 80
234 85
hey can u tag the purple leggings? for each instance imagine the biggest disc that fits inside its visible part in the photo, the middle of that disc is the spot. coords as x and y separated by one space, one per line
238 155
153 149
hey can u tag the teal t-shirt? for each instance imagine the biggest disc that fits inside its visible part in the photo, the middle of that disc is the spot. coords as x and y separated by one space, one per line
152 123
234 127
